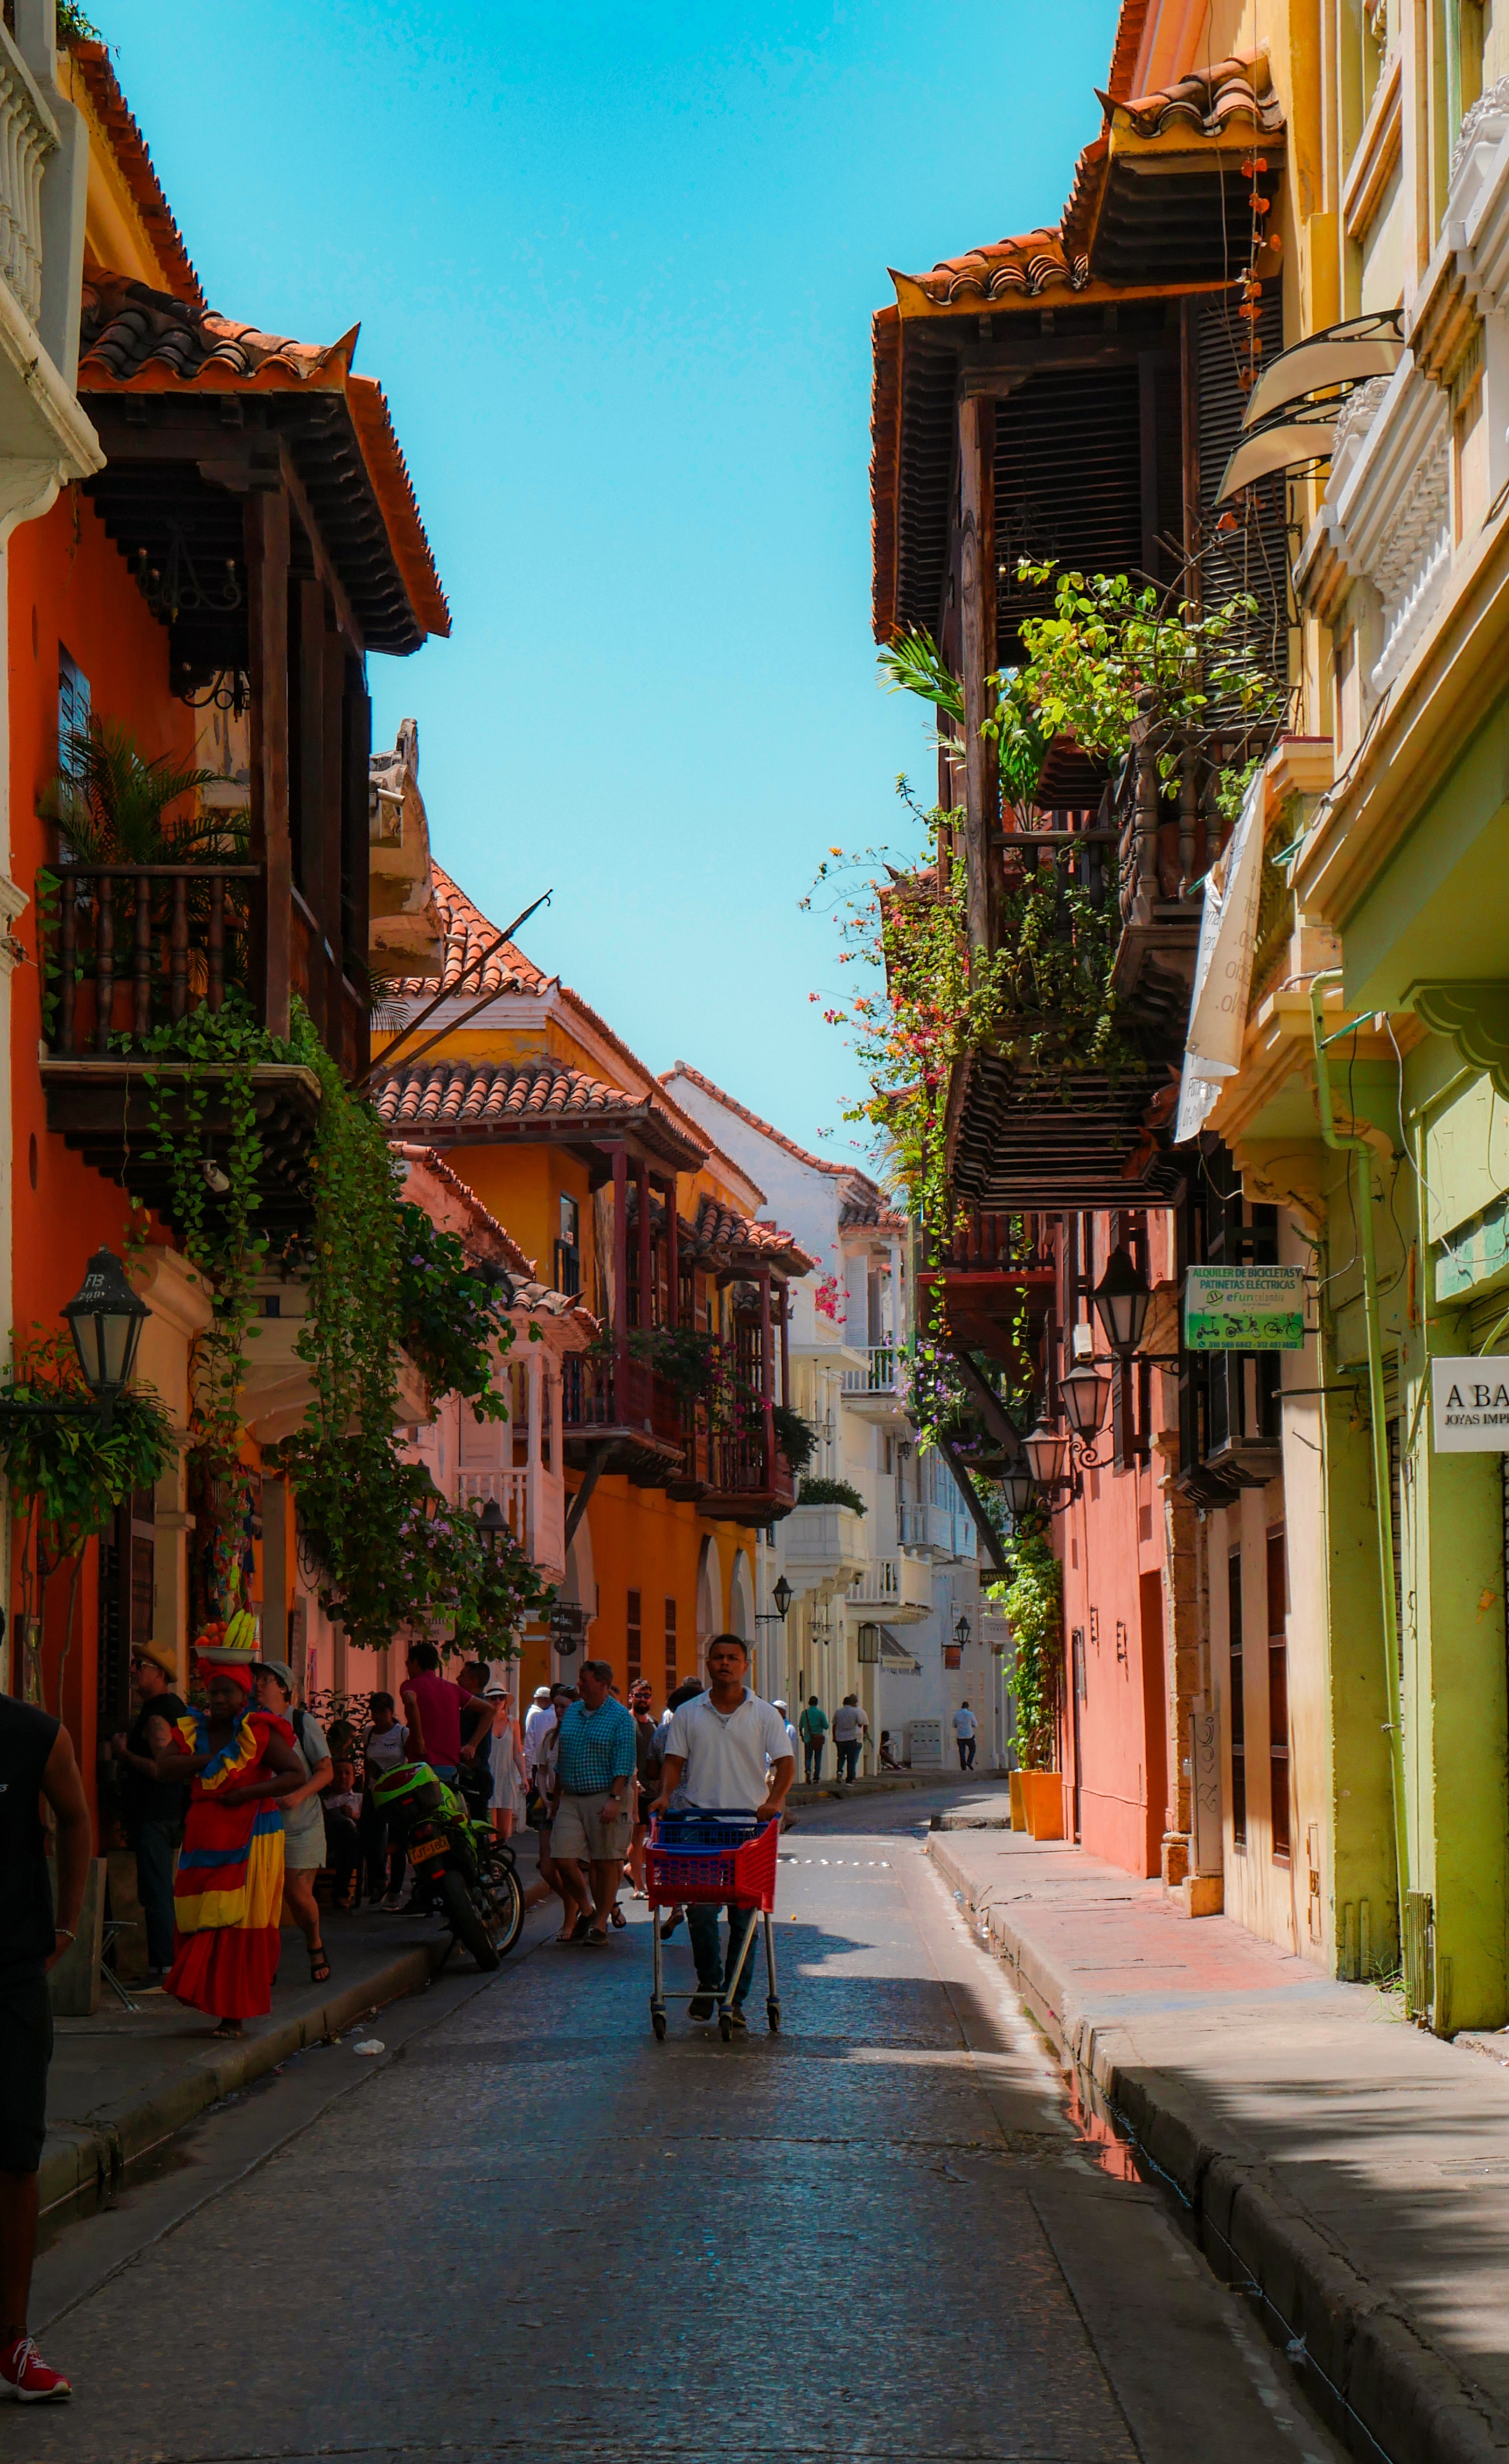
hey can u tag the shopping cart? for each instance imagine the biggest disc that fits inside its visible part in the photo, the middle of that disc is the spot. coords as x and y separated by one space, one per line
725 1859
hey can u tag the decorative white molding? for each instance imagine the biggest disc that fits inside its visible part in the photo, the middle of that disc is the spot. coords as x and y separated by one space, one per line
1387 509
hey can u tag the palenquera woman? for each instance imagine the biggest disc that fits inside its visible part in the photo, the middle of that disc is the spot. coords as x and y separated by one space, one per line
229 1889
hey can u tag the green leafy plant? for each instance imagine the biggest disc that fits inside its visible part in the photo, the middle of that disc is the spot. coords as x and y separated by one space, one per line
830 1492
796 1437
67 1474
112 801
74 27
1033 1604
447 1315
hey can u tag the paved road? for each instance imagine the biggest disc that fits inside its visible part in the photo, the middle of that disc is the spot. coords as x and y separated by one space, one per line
529 2230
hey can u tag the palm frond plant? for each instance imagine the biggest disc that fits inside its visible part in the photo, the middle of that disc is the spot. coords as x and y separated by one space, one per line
114 804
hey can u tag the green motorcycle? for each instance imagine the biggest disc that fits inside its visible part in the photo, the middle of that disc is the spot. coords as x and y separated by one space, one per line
462 1864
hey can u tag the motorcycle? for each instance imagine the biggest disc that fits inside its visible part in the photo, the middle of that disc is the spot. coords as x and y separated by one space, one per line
461 1862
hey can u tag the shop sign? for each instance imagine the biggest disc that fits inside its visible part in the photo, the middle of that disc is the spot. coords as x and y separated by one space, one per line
1470 1405
1244 1308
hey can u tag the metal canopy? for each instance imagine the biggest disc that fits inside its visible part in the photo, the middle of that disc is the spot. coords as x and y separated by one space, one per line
1345 355
1288 443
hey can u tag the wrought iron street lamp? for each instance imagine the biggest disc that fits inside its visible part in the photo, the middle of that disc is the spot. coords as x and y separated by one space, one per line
105 1318
492 1524
1017 1490
1047 1451
783 1597
961 1632
1123 1299
1084 1395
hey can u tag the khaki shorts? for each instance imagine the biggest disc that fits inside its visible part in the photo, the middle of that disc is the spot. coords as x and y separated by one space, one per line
580 1830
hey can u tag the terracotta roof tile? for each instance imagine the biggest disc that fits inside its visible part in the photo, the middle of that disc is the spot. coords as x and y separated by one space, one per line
1208 102
865 1212
886 448
1131 20
464 1100
135 340
467 931
92 64
1024 267
722 1229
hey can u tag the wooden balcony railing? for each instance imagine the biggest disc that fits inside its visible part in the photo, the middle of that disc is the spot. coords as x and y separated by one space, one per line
136 945
608 1397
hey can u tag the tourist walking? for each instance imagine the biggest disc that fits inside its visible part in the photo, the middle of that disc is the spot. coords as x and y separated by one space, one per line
152 1810
229 1889
539 1721
37 1761
726 1751
850 1725
596 1759
304 1814
965 1731
506 1759
813 1727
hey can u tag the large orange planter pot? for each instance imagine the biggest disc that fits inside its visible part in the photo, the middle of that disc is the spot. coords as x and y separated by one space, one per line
1018 1805
1043 1804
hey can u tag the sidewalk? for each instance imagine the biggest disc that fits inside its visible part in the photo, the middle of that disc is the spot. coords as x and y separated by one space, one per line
124 2082
885 1783
1349 2168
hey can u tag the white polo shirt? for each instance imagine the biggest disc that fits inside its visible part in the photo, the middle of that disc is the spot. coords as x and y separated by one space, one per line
726 1752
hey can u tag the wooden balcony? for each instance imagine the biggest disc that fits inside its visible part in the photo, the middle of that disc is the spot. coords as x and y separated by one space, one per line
985 1286
748 1482
619 1414
132 948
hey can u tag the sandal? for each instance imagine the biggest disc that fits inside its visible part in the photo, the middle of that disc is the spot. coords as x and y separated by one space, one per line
318 1966
229 2028
580 1931
616 1918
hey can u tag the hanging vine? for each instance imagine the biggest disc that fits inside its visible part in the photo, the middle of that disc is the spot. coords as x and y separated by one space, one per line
1033 1604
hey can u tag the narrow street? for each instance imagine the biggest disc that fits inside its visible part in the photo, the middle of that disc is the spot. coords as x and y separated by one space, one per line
528 2229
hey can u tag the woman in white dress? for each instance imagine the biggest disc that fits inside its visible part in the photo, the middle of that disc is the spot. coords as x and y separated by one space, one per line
506 1752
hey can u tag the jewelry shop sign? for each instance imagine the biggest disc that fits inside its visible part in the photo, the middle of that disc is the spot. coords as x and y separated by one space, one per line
1244 1308
1470 1405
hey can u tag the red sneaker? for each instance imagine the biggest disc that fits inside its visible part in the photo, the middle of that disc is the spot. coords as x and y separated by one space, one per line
25 2375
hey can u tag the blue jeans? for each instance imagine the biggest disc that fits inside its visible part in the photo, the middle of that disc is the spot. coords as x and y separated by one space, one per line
849 1760
814 1760
155 1843
712 1974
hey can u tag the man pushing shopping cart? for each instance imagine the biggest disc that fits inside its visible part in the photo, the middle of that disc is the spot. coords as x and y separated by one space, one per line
728 1765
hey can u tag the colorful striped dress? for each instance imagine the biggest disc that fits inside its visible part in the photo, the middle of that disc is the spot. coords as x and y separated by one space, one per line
229 1889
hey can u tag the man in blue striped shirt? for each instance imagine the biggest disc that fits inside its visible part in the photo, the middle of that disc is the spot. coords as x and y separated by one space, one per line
596 1759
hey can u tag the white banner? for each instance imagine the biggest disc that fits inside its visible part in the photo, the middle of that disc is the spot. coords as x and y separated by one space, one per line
1470 1405
1223 967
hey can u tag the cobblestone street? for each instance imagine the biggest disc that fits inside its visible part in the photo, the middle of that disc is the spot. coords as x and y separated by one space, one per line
528 2229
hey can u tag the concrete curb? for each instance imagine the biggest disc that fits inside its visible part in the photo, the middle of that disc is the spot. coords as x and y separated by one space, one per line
820 1791
1371 2374
90 2152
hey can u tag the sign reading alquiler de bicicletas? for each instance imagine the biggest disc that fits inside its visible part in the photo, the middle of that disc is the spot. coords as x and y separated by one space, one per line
1470 1405
1244 1308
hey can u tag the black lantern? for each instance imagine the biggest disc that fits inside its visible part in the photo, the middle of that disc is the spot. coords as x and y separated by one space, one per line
867 1646
105 1320
430 1500
783 1597
1047 1451
1084 1395
1121 1300
1017 1489
961 1632
492 1524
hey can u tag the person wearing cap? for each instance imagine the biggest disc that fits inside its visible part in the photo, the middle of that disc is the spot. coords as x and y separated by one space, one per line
776 1705
151 1809
539 1721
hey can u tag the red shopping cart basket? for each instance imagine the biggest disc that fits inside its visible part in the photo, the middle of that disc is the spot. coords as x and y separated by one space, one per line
695 1857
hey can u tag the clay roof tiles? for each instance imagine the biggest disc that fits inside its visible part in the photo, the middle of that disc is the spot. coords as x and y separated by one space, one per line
467 932
722 1229
135 340
1024 267
92 66
1206 103
466 1100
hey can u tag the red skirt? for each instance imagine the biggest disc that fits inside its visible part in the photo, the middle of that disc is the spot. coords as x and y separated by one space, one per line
226 1970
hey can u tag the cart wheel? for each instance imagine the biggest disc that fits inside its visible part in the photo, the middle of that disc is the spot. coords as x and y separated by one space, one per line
657 2023
725 2026
772 2016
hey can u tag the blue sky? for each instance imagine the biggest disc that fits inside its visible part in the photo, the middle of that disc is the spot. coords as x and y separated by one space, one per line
614 266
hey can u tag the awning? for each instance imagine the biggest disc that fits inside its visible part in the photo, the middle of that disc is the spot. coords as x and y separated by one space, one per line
896 1657
1340 355
1223 968
1287 442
